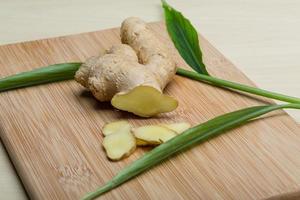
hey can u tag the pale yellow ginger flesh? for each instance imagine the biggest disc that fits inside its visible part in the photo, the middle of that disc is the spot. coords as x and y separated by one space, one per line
116 126
153 135
134 74
177 127
119 142
144 101
119 145
140 142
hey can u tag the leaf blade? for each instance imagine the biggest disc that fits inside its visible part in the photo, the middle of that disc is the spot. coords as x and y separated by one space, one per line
51 73
187 139
184 37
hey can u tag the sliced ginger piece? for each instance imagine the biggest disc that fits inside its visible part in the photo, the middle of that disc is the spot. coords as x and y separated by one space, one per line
144 101
115 127
153 135
140 142
177 127
119 145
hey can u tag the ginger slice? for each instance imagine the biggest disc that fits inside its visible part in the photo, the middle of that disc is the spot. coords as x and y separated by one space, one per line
140 142
177 127
116 126
144 101
119 144
152 135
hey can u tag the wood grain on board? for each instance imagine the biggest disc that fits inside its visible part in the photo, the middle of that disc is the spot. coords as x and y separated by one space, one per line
53 132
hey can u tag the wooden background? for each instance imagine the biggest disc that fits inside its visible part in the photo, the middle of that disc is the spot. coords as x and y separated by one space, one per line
53 133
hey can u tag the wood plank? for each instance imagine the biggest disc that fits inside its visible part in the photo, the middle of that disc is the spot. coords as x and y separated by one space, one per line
53 132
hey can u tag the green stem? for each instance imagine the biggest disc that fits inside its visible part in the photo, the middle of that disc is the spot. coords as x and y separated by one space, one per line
236 86
51 73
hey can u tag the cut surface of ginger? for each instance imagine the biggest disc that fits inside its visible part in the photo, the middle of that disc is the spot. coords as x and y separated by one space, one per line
119 145
144 101
115 127
140 142
152 135
178 127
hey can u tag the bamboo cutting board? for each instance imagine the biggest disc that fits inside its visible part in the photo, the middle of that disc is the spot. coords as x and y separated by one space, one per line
53 132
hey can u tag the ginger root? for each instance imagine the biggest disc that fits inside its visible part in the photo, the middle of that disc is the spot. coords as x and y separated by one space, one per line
152 135
132 75
119 141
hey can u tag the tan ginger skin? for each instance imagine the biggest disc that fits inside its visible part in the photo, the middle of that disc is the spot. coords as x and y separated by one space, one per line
132 75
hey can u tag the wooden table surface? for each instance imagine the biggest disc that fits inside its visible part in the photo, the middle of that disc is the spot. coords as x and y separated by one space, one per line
261 37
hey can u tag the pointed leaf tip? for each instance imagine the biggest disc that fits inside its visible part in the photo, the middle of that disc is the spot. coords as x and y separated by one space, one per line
184 37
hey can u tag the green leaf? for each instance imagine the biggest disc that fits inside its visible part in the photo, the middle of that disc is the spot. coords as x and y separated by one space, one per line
51 73
236 86
187 139
184 37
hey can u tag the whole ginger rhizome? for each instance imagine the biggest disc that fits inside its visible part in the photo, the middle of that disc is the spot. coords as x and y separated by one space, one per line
132 75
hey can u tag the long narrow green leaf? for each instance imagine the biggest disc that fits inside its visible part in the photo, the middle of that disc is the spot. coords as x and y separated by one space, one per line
184 37
236 86
52 73
187 139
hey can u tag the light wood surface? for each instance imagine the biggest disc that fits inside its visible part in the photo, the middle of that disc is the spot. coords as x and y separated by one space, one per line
53 132
261 37
286 196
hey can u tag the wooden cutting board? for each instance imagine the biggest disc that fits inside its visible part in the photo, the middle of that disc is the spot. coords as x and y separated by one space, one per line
53 132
